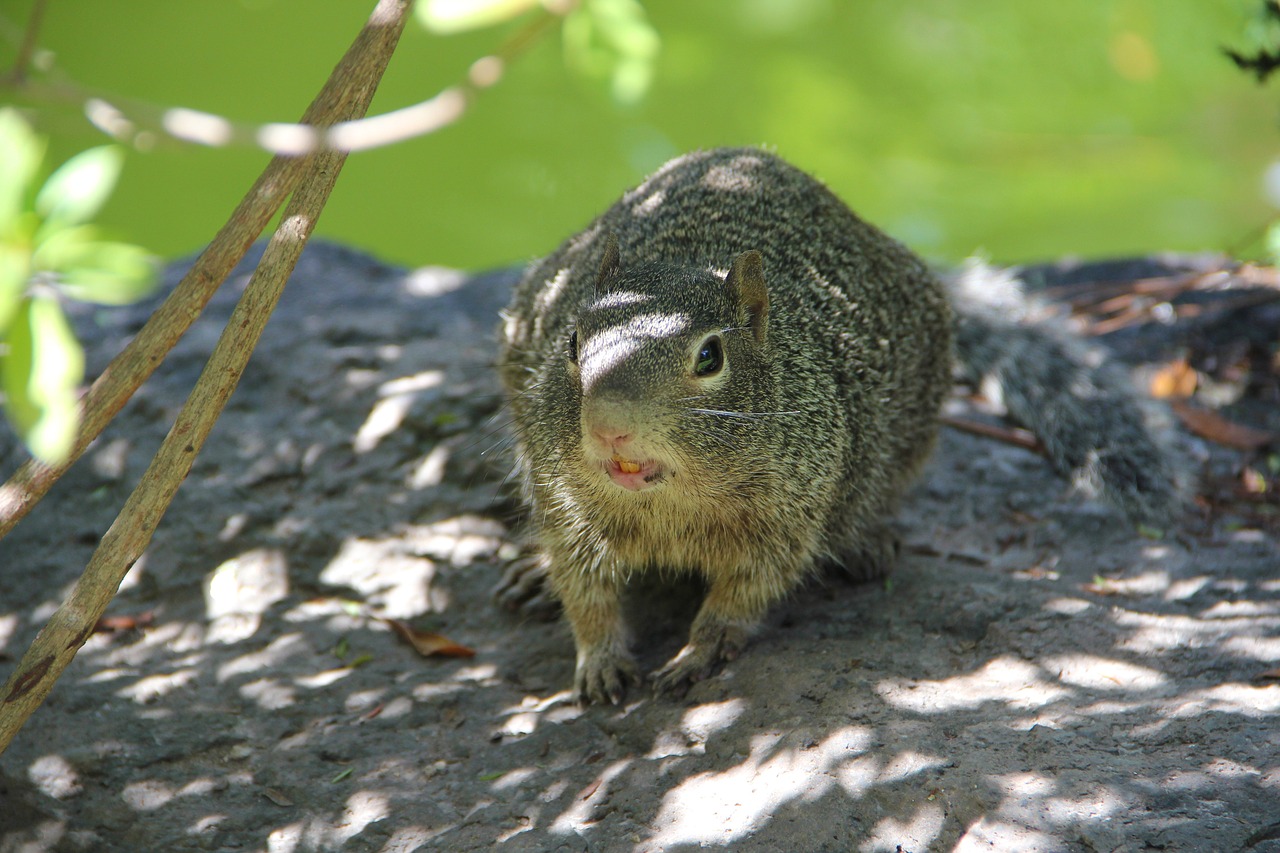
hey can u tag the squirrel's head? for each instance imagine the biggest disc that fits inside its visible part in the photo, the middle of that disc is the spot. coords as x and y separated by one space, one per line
669 362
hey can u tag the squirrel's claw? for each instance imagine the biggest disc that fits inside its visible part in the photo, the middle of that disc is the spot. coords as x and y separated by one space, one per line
603 677
698 658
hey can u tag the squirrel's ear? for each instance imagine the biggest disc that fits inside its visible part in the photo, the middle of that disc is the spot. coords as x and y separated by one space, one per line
608 264
747 286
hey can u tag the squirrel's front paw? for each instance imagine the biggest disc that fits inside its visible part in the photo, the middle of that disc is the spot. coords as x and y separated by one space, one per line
603 676
696 660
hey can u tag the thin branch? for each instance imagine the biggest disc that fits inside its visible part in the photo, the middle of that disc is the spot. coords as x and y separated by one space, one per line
27 49
126 119
1009 435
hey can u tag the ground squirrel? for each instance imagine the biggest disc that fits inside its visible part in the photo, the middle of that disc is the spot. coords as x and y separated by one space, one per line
730 373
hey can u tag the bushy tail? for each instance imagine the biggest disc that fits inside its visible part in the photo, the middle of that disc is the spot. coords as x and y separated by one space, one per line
1095 429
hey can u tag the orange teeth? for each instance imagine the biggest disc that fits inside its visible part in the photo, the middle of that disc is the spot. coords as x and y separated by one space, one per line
626 466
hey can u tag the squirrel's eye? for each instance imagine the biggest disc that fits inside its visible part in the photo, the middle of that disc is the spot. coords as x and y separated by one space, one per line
710 357
573 346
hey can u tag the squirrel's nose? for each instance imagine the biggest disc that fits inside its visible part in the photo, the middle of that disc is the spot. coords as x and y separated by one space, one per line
611 437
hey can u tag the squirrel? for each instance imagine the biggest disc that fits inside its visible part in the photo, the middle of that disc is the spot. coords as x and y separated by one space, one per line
730 373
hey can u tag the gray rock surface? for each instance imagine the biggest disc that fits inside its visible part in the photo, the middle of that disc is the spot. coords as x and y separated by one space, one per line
1035 677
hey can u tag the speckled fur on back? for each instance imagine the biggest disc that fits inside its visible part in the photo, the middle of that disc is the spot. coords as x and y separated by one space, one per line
822 423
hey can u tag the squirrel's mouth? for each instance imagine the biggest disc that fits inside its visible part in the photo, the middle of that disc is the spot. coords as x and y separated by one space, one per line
632 474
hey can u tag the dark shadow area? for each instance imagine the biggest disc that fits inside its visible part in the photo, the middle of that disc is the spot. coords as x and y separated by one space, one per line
1035 676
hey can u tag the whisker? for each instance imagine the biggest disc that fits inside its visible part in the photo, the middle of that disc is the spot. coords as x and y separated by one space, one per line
744 415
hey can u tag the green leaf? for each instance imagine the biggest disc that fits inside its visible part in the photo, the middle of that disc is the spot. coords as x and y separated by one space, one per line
103 272
14 268
78 189
20 154
445 17
613 39
1273 241
40 373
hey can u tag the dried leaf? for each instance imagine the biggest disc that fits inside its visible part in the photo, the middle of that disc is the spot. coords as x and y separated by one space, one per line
428 644
1216 428
1037 573
277 797
1174 381
116 624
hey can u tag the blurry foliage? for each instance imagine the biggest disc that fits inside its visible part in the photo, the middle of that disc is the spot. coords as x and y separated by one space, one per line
49 252
609 40
1262 33
1261 57
1099 128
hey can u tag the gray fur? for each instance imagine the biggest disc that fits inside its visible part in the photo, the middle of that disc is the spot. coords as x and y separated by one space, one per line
1094 429
837 353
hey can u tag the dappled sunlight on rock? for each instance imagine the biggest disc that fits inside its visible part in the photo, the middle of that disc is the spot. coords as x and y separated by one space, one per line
385 417
907 764
277 651
233 628
532 712
698 724
1250 700
1232 609
323 679
1096 673
483 672
893 834
398 583
1156 633
1186 588
363 808
461 540
1068 606
1261 649
270 694
990 834
147 795
1006 681
54 776
718 807
513 778
396 399
248 583
8 624
590 799
148 689
429 472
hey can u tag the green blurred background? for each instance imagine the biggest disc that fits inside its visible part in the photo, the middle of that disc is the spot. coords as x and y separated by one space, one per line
1024 130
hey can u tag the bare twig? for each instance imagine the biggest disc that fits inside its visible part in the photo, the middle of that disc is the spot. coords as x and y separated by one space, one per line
1009 435
1105 307
27 48
356 79
126 118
